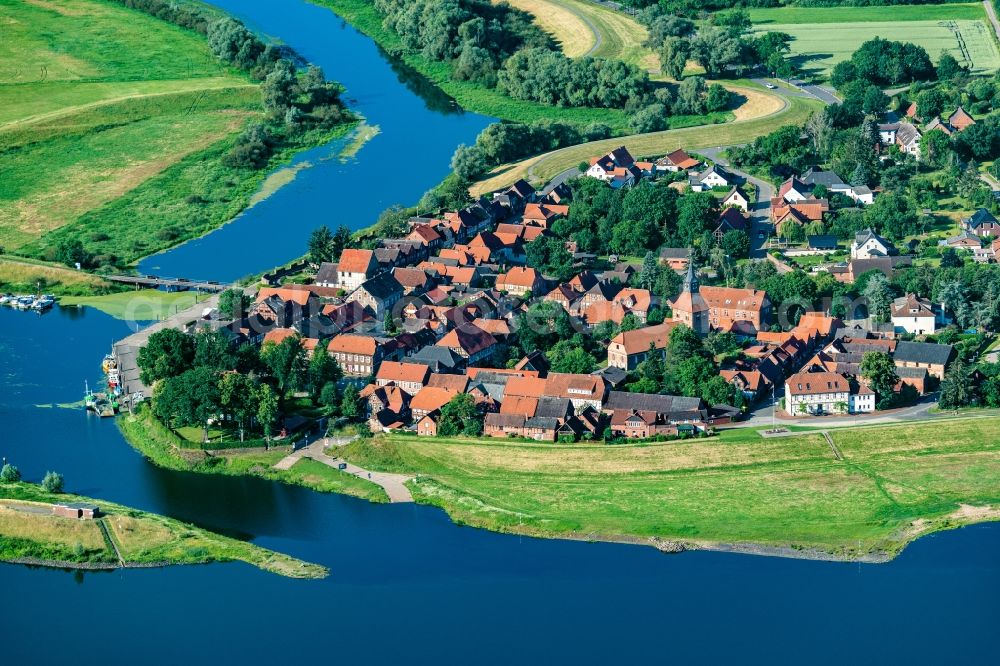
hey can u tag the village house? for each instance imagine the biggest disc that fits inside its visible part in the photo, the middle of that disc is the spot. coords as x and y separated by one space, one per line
676 258
912 314
77 510
690 307
388 407
933 358
411 377
676 161
618 168
520 280
730 219
868 244
542 215
964 240
378 294
630 348
470 342
429 399
713 176
358 355
982 223
737 198
960 120
283 307
816 393
355 266
640 415
752 383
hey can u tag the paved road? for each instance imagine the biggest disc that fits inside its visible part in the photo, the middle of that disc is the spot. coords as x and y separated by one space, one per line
993 16
394 485
760 214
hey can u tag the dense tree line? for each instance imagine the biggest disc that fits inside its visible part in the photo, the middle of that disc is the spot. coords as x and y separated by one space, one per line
475 36
547 76
202 378
884 62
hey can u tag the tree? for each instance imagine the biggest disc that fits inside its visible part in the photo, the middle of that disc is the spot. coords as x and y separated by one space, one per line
468 162
53 482
70 251
957 389
875 101
9 474
238 397
935 148
323 370
566 356
212 349
930 102
349 407
549 255
167 353
736 244
191 398
650 271
278 88
879 295
286 362
459 416
948 66
717 391
880 371
233 303
674 55
716 49
693 374
321 245
267 409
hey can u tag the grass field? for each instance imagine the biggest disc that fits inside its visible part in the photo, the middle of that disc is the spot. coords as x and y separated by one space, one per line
894 483
142 305
26 275
570 29
29 530
825 36
541 168
95 100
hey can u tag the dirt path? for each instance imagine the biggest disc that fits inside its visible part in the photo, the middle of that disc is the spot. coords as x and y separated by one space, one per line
833 447
72 110
394 485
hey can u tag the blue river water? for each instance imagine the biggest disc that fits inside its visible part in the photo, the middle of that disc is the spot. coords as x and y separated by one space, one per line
420 129
407 585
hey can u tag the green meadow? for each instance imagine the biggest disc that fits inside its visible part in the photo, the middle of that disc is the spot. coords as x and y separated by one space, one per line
96 100
824 36
893 484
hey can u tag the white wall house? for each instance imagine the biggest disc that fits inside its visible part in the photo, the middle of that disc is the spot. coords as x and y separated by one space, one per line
868 244
816 393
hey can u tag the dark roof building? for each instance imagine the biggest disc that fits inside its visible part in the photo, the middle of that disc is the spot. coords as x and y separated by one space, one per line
923 353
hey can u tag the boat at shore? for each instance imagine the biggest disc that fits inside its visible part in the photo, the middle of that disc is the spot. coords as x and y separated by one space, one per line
39 303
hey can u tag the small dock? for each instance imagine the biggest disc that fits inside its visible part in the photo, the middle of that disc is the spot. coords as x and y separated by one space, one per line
175 284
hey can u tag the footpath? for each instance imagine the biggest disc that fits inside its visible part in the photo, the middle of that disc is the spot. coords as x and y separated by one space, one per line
394 485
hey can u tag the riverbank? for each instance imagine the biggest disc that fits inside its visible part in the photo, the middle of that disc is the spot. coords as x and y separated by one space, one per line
165 449
120 537
787 497
488 101
121 144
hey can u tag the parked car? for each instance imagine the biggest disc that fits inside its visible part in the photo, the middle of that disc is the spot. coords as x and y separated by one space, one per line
770 86
342 466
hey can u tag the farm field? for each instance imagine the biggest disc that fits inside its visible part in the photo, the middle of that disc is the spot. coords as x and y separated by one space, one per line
825 36
585 28
893 483
96 100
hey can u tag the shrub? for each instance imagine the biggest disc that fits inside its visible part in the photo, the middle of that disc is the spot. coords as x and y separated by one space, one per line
10 474
53 482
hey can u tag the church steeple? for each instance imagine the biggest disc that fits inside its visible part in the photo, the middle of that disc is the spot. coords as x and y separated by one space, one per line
691 280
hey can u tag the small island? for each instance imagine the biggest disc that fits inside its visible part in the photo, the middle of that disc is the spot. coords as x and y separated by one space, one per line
69 531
